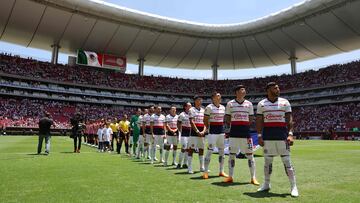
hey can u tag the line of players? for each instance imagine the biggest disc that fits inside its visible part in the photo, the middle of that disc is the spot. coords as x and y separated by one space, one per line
196 124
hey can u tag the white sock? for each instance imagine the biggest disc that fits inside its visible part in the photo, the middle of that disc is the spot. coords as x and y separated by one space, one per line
231 164
221 160
289 169
251 163
268 168
181 156
153 153
208 159
190 163
186 158
201 160
166 156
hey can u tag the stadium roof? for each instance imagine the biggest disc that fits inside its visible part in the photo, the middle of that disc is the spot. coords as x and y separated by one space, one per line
308 30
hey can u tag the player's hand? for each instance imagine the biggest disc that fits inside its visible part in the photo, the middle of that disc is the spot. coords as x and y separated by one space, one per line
260 141
290 140
153 136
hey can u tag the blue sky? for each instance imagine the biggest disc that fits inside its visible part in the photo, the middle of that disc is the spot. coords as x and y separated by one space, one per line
204 11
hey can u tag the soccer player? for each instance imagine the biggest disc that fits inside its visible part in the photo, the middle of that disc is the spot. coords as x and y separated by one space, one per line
124 127
172 133
148 137
274 126
157 128
214 122
114 127
239 116
134 124
107 137
197 135
140 149
184 127
100 137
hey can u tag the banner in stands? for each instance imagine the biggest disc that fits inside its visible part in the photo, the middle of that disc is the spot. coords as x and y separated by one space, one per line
100 60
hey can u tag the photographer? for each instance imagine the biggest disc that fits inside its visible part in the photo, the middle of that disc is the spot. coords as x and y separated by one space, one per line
78 127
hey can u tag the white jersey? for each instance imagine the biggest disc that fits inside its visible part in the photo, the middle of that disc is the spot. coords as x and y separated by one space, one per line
274 118
158 122
197 115
146 121
100 134
184 119
240 114
216 118
107 134
172 121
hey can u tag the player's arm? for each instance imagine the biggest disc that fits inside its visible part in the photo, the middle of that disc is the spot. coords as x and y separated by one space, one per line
143 126
290 126
259 128
152 128
179 126
165 129
206 123
193 126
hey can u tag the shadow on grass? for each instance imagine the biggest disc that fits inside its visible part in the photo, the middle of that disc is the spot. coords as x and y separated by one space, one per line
222 184
201 178
265 194
185 173
174 169
67 153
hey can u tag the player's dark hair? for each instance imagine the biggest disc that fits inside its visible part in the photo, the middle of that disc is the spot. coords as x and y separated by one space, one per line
270 84
238 87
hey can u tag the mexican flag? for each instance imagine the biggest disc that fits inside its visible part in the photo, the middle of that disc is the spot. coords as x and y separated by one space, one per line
90 58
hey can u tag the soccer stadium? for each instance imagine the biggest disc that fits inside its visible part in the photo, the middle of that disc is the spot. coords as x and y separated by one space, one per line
129 101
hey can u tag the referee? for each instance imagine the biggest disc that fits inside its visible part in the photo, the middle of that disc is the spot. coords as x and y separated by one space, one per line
45 124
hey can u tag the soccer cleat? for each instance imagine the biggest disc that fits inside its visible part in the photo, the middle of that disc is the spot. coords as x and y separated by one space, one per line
155 159
165 164
202 169
205 175
152 162
174 164
78 151
264 188
294 191
184 166
254 181
149 158
222 174
178 166
228 180
190 172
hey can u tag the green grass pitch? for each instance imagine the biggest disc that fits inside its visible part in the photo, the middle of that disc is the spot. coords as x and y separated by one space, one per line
326 171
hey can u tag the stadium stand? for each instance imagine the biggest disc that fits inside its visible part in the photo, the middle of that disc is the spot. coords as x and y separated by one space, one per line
323 100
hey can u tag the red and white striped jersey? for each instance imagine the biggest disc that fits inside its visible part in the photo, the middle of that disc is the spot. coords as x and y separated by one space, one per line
216 118
184 119
158 120
239 112
197 115
274 113
216 114
172 121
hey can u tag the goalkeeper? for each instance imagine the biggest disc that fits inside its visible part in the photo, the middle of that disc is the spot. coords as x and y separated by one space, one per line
134 124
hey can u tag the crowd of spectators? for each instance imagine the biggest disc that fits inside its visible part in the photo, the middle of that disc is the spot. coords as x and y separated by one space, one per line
26 113
334 74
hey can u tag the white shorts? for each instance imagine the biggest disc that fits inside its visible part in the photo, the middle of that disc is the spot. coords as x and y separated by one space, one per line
245 145
216 140
172 140
149 139
276 147
184 141
196 142
159 141
141 140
